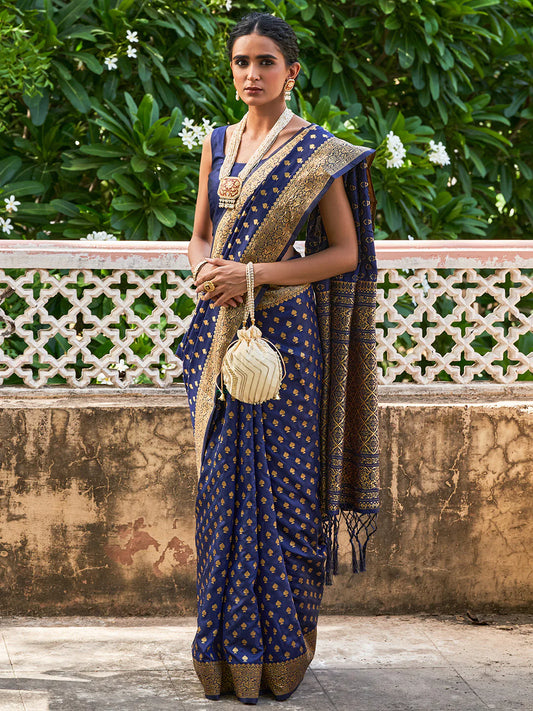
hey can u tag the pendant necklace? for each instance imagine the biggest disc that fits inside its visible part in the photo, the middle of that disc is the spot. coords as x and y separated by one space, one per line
230 186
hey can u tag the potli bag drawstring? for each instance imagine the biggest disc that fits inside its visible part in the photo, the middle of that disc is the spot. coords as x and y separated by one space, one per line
253 368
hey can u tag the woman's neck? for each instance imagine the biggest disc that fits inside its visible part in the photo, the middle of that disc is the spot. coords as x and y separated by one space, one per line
261 118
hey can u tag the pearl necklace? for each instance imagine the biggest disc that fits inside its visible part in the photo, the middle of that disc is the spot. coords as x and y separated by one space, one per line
230 186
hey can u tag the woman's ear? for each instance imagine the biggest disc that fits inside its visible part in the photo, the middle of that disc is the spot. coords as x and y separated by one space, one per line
294 70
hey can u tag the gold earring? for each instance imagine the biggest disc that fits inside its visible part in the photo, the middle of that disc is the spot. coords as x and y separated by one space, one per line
289 86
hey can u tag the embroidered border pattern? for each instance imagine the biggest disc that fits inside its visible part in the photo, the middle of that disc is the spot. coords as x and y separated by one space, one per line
246 680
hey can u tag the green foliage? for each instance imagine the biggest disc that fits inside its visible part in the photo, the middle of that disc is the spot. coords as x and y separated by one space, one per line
23 64
85 147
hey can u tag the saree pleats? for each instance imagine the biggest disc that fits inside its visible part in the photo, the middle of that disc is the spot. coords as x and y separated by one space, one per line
258 537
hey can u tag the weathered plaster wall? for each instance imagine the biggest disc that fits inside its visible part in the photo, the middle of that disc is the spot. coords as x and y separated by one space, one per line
97 496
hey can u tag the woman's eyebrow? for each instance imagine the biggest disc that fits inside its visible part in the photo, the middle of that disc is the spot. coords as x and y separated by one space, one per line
259 56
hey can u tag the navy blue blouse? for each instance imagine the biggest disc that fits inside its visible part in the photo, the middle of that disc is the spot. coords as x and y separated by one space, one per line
217 153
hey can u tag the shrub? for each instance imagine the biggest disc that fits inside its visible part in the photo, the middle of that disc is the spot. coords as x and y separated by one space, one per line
106 101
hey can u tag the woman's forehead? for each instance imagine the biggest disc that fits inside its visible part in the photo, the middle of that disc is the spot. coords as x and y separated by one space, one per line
254 45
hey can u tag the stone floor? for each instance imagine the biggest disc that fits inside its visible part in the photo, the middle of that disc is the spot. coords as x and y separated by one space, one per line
384 663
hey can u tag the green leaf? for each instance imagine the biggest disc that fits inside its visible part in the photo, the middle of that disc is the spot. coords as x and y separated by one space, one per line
124 203
37 209
128 185
387 6
321 110
76 94
165 215
90 62
110 170
137 227
138 164
154 227
71 12
525 169
506 183
38 106
104 150
132 106
434 82
392 214
145 112
8 168
24 187
320 74
65 207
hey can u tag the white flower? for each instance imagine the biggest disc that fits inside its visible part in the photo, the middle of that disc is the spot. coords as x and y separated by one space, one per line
6 225
121 366
111 62
104 236
102 379
131 36
397 150
438 153
410 237
188 138
228 5
11 203
192 134
167 366
131 51
198 132
207 125
425 284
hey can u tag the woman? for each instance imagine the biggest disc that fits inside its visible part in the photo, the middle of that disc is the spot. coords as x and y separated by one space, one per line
275 477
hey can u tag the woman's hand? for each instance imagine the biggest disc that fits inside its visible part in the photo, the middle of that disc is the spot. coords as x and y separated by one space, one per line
229 278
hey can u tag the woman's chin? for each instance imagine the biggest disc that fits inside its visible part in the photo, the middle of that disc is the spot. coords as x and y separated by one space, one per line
260 100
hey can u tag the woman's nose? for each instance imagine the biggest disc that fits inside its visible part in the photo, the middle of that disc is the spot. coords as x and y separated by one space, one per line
253 72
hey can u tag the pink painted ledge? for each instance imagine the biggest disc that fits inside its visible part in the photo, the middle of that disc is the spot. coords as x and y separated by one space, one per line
391 254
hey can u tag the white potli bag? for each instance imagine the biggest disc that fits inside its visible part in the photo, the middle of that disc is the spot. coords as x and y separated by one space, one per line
253 368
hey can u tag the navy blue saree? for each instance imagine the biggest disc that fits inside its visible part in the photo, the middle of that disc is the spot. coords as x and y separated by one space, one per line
275 479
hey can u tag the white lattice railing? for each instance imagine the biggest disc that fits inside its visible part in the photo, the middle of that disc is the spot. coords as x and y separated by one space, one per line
83 313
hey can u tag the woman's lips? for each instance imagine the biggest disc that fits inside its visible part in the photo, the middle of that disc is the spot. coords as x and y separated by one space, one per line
253 90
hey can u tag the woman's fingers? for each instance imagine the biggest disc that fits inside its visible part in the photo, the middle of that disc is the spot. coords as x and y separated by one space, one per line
205 275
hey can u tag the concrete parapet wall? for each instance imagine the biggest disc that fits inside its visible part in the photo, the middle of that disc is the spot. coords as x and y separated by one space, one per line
97 493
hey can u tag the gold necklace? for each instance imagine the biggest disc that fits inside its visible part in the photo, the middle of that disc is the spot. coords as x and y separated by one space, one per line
230 186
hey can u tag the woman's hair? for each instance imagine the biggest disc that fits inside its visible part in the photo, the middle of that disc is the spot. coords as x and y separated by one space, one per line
268 26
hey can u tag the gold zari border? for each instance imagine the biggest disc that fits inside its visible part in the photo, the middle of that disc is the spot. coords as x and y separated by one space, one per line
247 680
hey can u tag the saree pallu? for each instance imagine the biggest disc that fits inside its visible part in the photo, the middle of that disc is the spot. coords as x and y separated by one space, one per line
272 478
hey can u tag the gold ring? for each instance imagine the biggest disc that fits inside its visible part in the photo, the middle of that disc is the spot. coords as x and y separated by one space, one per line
209 286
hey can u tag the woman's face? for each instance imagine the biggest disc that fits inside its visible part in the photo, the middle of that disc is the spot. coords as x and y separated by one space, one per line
259 69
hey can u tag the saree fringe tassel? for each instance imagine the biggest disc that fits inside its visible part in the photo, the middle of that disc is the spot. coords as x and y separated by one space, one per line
360 527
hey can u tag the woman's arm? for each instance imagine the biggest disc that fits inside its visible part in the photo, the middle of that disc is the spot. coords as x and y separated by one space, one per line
342 254
202 233
200 243
340 257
